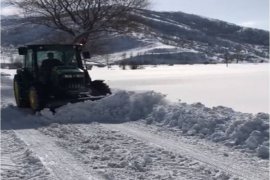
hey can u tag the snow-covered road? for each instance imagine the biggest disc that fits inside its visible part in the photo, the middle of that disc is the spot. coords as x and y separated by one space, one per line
83 144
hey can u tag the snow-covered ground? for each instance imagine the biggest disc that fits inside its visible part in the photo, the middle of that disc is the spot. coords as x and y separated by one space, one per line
141 134
243 87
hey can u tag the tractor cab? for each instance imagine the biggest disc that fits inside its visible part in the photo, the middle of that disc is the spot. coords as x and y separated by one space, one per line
54 73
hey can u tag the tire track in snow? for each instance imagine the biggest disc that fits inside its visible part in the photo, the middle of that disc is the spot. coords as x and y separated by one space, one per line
18 162
56 160
233 168
59 162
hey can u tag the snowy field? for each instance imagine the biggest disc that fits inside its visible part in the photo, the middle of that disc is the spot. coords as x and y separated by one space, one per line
243 87
138 134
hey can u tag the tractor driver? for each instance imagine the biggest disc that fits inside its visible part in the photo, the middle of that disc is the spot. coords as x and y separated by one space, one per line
50 62
47 66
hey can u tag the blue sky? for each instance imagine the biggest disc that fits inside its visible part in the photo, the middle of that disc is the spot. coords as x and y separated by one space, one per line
250 13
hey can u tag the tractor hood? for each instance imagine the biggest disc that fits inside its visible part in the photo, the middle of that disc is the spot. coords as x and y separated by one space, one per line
67 70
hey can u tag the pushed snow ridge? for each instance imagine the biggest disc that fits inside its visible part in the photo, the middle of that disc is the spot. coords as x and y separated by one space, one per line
122 106
219 124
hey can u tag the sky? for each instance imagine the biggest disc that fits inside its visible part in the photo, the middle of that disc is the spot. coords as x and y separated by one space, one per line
249 13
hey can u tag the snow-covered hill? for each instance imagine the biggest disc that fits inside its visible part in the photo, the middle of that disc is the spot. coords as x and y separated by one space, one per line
167 38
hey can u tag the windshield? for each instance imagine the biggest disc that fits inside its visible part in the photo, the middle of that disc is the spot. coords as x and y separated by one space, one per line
66 56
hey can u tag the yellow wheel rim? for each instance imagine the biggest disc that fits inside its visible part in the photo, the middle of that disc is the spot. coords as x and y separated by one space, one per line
33 99
16 92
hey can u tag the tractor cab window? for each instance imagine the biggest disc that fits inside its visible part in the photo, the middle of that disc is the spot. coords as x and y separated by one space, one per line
63 58
48 55
29 59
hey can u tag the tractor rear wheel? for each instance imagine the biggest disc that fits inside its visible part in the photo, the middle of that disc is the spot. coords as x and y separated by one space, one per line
35 98
99 88
20 100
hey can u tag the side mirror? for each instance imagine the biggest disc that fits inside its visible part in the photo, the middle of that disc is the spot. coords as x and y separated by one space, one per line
86 55
22 50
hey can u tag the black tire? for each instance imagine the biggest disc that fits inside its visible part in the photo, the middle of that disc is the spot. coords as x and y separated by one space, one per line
20 97
36 99
99 88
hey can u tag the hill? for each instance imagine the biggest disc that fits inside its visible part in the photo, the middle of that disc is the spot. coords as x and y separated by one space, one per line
166 38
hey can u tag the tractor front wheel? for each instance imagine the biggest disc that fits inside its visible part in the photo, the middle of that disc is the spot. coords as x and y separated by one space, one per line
35 99
20 100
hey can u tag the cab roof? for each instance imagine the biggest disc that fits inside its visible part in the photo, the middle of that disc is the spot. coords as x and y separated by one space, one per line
51 45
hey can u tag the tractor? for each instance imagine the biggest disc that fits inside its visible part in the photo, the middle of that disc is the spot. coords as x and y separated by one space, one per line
54 75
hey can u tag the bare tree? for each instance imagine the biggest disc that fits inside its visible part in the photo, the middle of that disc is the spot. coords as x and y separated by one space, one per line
82 18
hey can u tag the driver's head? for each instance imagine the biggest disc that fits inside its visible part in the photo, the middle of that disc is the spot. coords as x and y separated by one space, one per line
50 55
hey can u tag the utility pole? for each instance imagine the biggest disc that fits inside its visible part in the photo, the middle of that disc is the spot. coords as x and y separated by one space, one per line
226 57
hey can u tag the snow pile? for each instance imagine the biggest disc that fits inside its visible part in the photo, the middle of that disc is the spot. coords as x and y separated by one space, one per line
219 124
123 106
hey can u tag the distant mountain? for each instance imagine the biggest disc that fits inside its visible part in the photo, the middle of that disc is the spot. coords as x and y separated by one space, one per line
167 38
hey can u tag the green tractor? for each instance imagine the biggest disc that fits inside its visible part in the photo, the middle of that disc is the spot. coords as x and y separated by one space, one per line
54 75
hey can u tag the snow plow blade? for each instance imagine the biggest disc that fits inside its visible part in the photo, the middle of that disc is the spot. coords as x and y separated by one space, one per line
58 103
